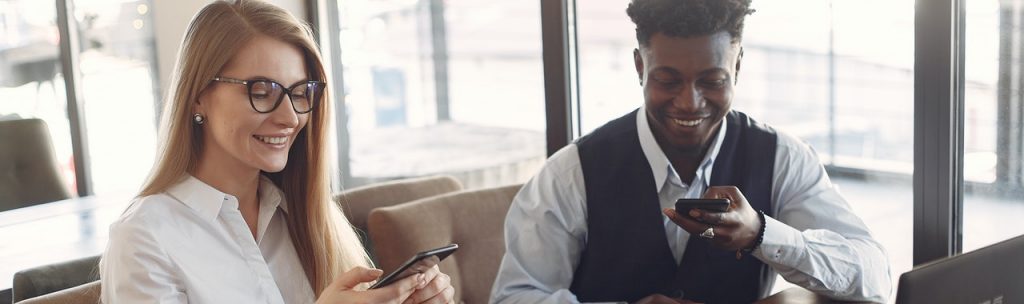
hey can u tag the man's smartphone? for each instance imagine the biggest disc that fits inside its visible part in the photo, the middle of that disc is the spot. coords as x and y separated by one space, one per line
684 205
419 263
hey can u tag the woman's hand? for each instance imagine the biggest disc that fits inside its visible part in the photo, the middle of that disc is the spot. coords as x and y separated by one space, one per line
436 289
340 291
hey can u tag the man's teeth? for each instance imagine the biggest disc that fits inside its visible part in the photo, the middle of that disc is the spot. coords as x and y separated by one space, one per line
272 140
687 123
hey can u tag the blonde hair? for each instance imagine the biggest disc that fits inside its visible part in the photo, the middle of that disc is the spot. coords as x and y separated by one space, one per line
323 238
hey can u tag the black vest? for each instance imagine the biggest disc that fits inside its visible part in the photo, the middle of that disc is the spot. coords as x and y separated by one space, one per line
627 256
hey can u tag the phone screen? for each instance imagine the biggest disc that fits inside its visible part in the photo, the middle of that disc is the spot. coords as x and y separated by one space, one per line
684 205
419 263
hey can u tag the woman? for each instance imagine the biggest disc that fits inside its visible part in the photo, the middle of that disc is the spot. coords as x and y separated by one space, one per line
238 209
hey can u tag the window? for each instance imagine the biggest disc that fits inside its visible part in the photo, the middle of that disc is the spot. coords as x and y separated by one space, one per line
814 69
116 85
31 80
994 121
820 71
119 90
442 87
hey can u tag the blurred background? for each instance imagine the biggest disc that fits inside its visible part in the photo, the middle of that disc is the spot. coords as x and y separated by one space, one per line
456 87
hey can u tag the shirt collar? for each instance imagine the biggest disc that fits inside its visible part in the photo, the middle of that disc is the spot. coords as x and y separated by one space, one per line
660 166
207 201
271 195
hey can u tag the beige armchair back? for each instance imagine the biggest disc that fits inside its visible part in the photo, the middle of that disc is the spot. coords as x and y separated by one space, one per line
88 293
358 202
474 219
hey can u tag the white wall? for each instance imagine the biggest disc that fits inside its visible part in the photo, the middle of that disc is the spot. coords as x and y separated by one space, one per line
171 18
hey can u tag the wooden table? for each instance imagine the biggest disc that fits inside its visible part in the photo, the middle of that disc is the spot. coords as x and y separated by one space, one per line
796 295
54 232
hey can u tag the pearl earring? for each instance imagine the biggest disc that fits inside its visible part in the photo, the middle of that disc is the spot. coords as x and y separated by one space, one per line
198 119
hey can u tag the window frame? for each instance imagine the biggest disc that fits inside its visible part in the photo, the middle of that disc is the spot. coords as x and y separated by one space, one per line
69 51
938 129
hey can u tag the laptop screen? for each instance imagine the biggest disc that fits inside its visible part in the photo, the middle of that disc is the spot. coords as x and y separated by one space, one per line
990 275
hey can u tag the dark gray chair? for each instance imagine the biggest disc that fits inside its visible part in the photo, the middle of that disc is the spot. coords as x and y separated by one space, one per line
42 280
28 168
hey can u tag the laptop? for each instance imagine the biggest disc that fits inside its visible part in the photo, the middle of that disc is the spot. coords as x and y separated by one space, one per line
990 275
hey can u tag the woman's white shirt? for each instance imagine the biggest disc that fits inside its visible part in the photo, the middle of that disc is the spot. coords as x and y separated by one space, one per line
190 244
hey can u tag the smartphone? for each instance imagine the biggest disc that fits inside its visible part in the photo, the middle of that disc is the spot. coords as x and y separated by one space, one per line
684 205
419 263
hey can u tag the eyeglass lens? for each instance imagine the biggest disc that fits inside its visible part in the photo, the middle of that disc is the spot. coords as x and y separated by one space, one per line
266 95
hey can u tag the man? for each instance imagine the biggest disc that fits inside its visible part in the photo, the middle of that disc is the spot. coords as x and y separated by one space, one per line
597 224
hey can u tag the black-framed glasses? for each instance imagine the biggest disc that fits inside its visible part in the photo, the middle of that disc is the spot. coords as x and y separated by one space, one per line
265 94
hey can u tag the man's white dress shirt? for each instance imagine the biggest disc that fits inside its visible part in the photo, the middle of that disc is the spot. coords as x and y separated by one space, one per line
814 240
190 244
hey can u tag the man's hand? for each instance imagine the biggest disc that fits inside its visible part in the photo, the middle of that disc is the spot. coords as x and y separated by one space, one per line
734 229
662 299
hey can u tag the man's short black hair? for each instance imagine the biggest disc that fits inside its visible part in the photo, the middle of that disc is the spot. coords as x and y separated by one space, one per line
687 18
